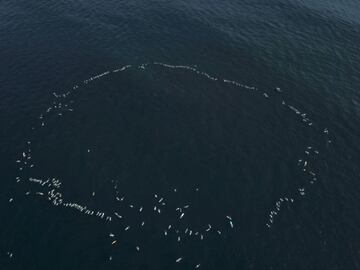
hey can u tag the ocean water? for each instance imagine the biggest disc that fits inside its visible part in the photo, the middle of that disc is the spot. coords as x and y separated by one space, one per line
180 134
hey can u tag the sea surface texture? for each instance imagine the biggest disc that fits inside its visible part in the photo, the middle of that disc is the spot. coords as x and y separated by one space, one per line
180 134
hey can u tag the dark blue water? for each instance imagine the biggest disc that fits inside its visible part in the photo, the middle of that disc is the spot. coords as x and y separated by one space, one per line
239 114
